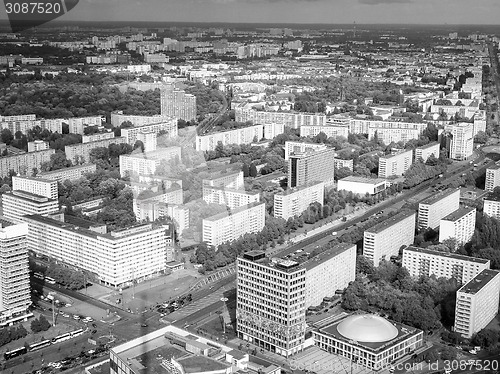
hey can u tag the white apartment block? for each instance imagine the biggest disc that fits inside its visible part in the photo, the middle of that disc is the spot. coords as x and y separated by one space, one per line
168 126
362 185
459 225
386 238
37 145
231 225
229 197
148 139
426 262
330 131
432 209
294 201
17 204
24 163
479 122
117 119
38 186
301 147
97 137
139 69
477 303
278 292
117 258
492 178
243 135
394 134
318 166
151 210
15 296
20 117
72 173
80 152
491 207
177 103
53 125
462 140
339 163
394 165
77 125
291 119
146 163
424 152
229 180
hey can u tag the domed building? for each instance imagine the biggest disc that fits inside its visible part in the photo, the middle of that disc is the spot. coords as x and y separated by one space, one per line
368 339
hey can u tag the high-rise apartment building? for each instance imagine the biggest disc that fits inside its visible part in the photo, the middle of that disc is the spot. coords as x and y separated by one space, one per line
233 224
302 147
24 163
15 296
167 126
458 225
491 206
424 152
426 262
177 103
77 125
37 186
146 163
462 140
389 132
72 173
394 165
148 139
17 204
386 238
433 208
229 197
295 120
492 178
295 201
477 303
311 167
274 294
117 258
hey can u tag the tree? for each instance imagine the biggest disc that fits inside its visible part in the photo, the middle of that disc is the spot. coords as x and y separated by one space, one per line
139 145
246 170
6 136
253 170
481 137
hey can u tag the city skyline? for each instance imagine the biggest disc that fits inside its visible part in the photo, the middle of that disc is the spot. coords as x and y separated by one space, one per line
426 12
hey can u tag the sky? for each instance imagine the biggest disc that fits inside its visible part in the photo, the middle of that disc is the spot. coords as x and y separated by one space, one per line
290 11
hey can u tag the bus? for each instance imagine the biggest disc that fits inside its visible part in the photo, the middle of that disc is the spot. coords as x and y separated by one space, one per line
76 333
38 275
40 345
61 338
15 352
50 280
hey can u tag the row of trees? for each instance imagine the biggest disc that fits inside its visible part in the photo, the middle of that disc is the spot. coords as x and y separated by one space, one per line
66 277
10 334
420 172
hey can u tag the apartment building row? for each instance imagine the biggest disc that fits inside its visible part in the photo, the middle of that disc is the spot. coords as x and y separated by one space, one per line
80 152
147 162
24 163
72 173
167 126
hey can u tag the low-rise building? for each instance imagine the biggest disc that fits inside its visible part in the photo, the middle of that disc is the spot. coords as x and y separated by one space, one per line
362 185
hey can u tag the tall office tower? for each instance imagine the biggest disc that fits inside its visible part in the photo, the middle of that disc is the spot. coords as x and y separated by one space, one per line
233 224
15 297
394 165
386 238
477 303
426 262
302 147
274 294
311 167
492 178
17 204
232 180
462 140
432 209
295 201
177 103
37 186
424 152
148 139
459 225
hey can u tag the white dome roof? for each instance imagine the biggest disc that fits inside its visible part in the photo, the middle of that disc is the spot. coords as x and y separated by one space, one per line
368 328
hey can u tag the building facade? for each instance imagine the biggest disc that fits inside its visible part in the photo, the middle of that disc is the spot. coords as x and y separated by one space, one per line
167 126
72 173
311 167
24 163
432 209
477 303
229 197
230 180
424 152
426 262
231 225
177 103
458 225
362 185
295 201
492 178
38 186
462 140
146 163
77 125
394 165
301 147
17 204
385 239
80 153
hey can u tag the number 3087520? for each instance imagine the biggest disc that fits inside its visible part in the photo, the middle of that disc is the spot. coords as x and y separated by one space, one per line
33 8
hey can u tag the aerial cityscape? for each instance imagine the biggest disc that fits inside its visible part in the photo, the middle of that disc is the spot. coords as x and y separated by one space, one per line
214 195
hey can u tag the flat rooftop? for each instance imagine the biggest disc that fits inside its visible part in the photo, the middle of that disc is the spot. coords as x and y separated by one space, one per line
379 227
457 214
293 190
366 180
230 212
71 168
479 281
430 145
441 195
492 197
35 179
397 154
197 364
446 254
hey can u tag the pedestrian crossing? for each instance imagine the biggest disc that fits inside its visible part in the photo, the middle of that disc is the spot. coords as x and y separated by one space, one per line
195 306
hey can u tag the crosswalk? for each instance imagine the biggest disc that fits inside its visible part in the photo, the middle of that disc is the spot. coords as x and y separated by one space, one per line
195 306
223 273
